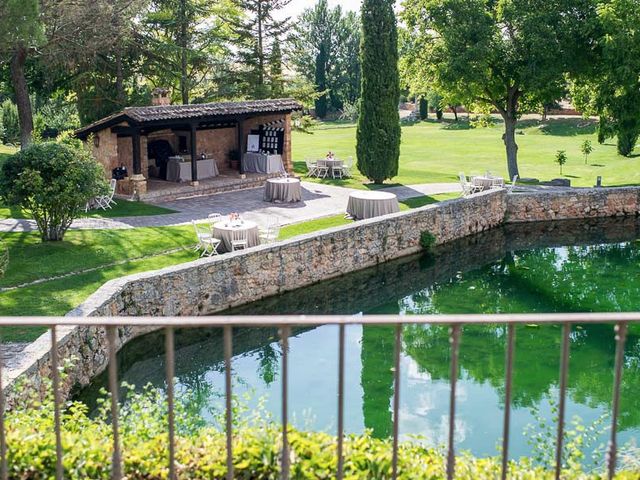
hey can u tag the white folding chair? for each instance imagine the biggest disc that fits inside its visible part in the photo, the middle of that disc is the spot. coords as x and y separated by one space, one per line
214 218
322 170
347 166
206 241
336 170
312 168
513 184
239 239
467 187
271 233
105 201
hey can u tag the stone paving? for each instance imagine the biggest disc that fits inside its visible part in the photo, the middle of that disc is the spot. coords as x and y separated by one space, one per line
318 200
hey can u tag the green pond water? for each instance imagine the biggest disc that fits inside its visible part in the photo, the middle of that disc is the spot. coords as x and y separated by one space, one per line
560 267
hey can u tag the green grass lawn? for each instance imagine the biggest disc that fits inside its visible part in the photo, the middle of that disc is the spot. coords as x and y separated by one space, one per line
435 152
123 208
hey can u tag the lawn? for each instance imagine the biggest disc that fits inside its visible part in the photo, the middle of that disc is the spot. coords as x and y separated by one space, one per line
123 208
434 152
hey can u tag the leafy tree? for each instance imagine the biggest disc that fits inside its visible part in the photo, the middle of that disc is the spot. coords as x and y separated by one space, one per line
510 56
324 49
53 183
378 132
561 159
277 78
187 43
257 30
610 87
586 148
10 122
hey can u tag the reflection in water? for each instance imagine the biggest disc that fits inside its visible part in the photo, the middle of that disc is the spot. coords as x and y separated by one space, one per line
518 269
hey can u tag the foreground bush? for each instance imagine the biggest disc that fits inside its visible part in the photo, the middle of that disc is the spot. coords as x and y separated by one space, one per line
53 183
201 449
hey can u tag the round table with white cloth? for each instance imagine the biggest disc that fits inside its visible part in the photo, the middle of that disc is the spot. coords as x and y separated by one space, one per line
371 204
282 190
223 231
488 182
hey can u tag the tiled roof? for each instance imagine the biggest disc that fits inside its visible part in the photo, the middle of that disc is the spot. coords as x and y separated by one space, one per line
192 112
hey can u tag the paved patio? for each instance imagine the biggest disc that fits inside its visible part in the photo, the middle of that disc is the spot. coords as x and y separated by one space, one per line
318 200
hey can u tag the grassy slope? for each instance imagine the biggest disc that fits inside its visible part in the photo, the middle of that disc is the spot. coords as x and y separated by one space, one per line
433 152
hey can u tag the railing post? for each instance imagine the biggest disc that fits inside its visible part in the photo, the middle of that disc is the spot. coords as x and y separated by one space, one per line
55 378
396 399
4 469
285 331
564 373
116 462
455 347
340 471
508 382
621 337
170 360
228 352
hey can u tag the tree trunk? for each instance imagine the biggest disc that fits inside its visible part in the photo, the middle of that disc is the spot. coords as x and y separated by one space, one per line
19 83
454 109
184 80
121 98
260 49
509 138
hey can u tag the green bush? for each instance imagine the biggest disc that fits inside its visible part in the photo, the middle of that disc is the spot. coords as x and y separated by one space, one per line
10 123
200 450
482 121
427 241
52 182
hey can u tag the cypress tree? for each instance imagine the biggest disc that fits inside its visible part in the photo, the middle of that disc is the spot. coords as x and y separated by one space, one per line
378 135
321 81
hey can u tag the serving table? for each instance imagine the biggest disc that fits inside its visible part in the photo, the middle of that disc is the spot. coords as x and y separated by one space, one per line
363 205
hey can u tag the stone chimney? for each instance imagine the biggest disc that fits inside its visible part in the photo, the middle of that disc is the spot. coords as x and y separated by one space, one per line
160 96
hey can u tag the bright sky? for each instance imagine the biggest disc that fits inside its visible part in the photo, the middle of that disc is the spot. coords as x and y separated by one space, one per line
297 6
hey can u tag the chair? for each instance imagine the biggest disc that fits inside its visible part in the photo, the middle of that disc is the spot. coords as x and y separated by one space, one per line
467 187
214 218
206 241
322 169
513 184
347 166
239 239
271 233
336 170
312 168
105 201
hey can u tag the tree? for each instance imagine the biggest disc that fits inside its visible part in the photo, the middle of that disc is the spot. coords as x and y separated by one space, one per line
256 30
378 132
275 72
510 56
610 87
20 32
586 148
424 108
561 159
53 183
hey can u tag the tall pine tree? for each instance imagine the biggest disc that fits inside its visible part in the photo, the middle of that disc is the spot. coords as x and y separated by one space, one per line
257 33
378 134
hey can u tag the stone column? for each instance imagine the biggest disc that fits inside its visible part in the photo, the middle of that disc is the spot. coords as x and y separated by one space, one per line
138 185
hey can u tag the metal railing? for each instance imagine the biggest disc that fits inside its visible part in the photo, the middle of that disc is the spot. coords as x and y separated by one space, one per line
285 323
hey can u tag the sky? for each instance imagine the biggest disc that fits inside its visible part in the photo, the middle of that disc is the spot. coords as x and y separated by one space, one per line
297 6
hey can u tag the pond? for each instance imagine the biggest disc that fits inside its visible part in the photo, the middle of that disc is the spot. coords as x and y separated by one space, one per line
545 267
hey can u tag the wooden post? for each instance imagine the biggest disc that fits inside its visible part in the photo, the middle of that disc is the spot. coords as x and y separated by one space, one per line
137 163
241 144
194 159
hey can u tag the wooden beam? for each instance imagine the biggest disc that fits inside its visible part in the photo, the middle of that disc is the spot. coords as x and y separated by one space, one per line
240 144
137 163
194 160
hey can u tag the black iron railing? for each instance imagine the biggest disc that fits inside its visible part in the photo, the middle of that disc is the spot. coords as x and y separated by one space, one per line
456 323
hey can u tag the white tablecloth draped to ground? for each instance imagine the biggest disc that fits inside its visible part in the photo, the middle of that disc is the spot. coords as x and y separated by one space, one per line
223 231
363 205
282 190
262 163
180 171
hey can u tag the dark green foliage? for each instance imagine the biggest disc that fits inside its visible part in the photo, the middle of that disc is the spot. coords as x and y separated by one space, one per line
52 182
424 108
10 123
427 241
587 149
561 159
321 81
378 134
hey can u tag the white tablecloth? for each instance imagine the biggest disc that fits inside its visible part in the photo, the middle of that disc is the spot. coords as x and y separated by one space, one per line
283 190
487 182
178 171
223 230
262 163
371 204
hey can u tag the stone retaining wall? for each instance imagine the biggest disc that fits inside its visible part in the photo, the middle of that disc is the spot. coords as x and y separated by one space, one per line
210 285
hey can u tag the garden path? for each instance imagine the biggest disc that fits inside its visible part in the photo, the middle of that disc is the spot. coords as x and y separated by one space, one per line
318 200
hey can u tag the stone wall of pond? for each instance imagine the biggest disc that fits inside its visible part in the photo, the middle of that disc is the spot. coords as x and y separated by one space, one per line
573 203
211 285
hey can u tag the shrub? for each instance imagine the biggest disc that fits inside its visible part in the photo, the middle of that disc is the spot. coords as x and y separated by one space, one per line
53 182
482 121
427 241
424 108
349 112
10 123
4 258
